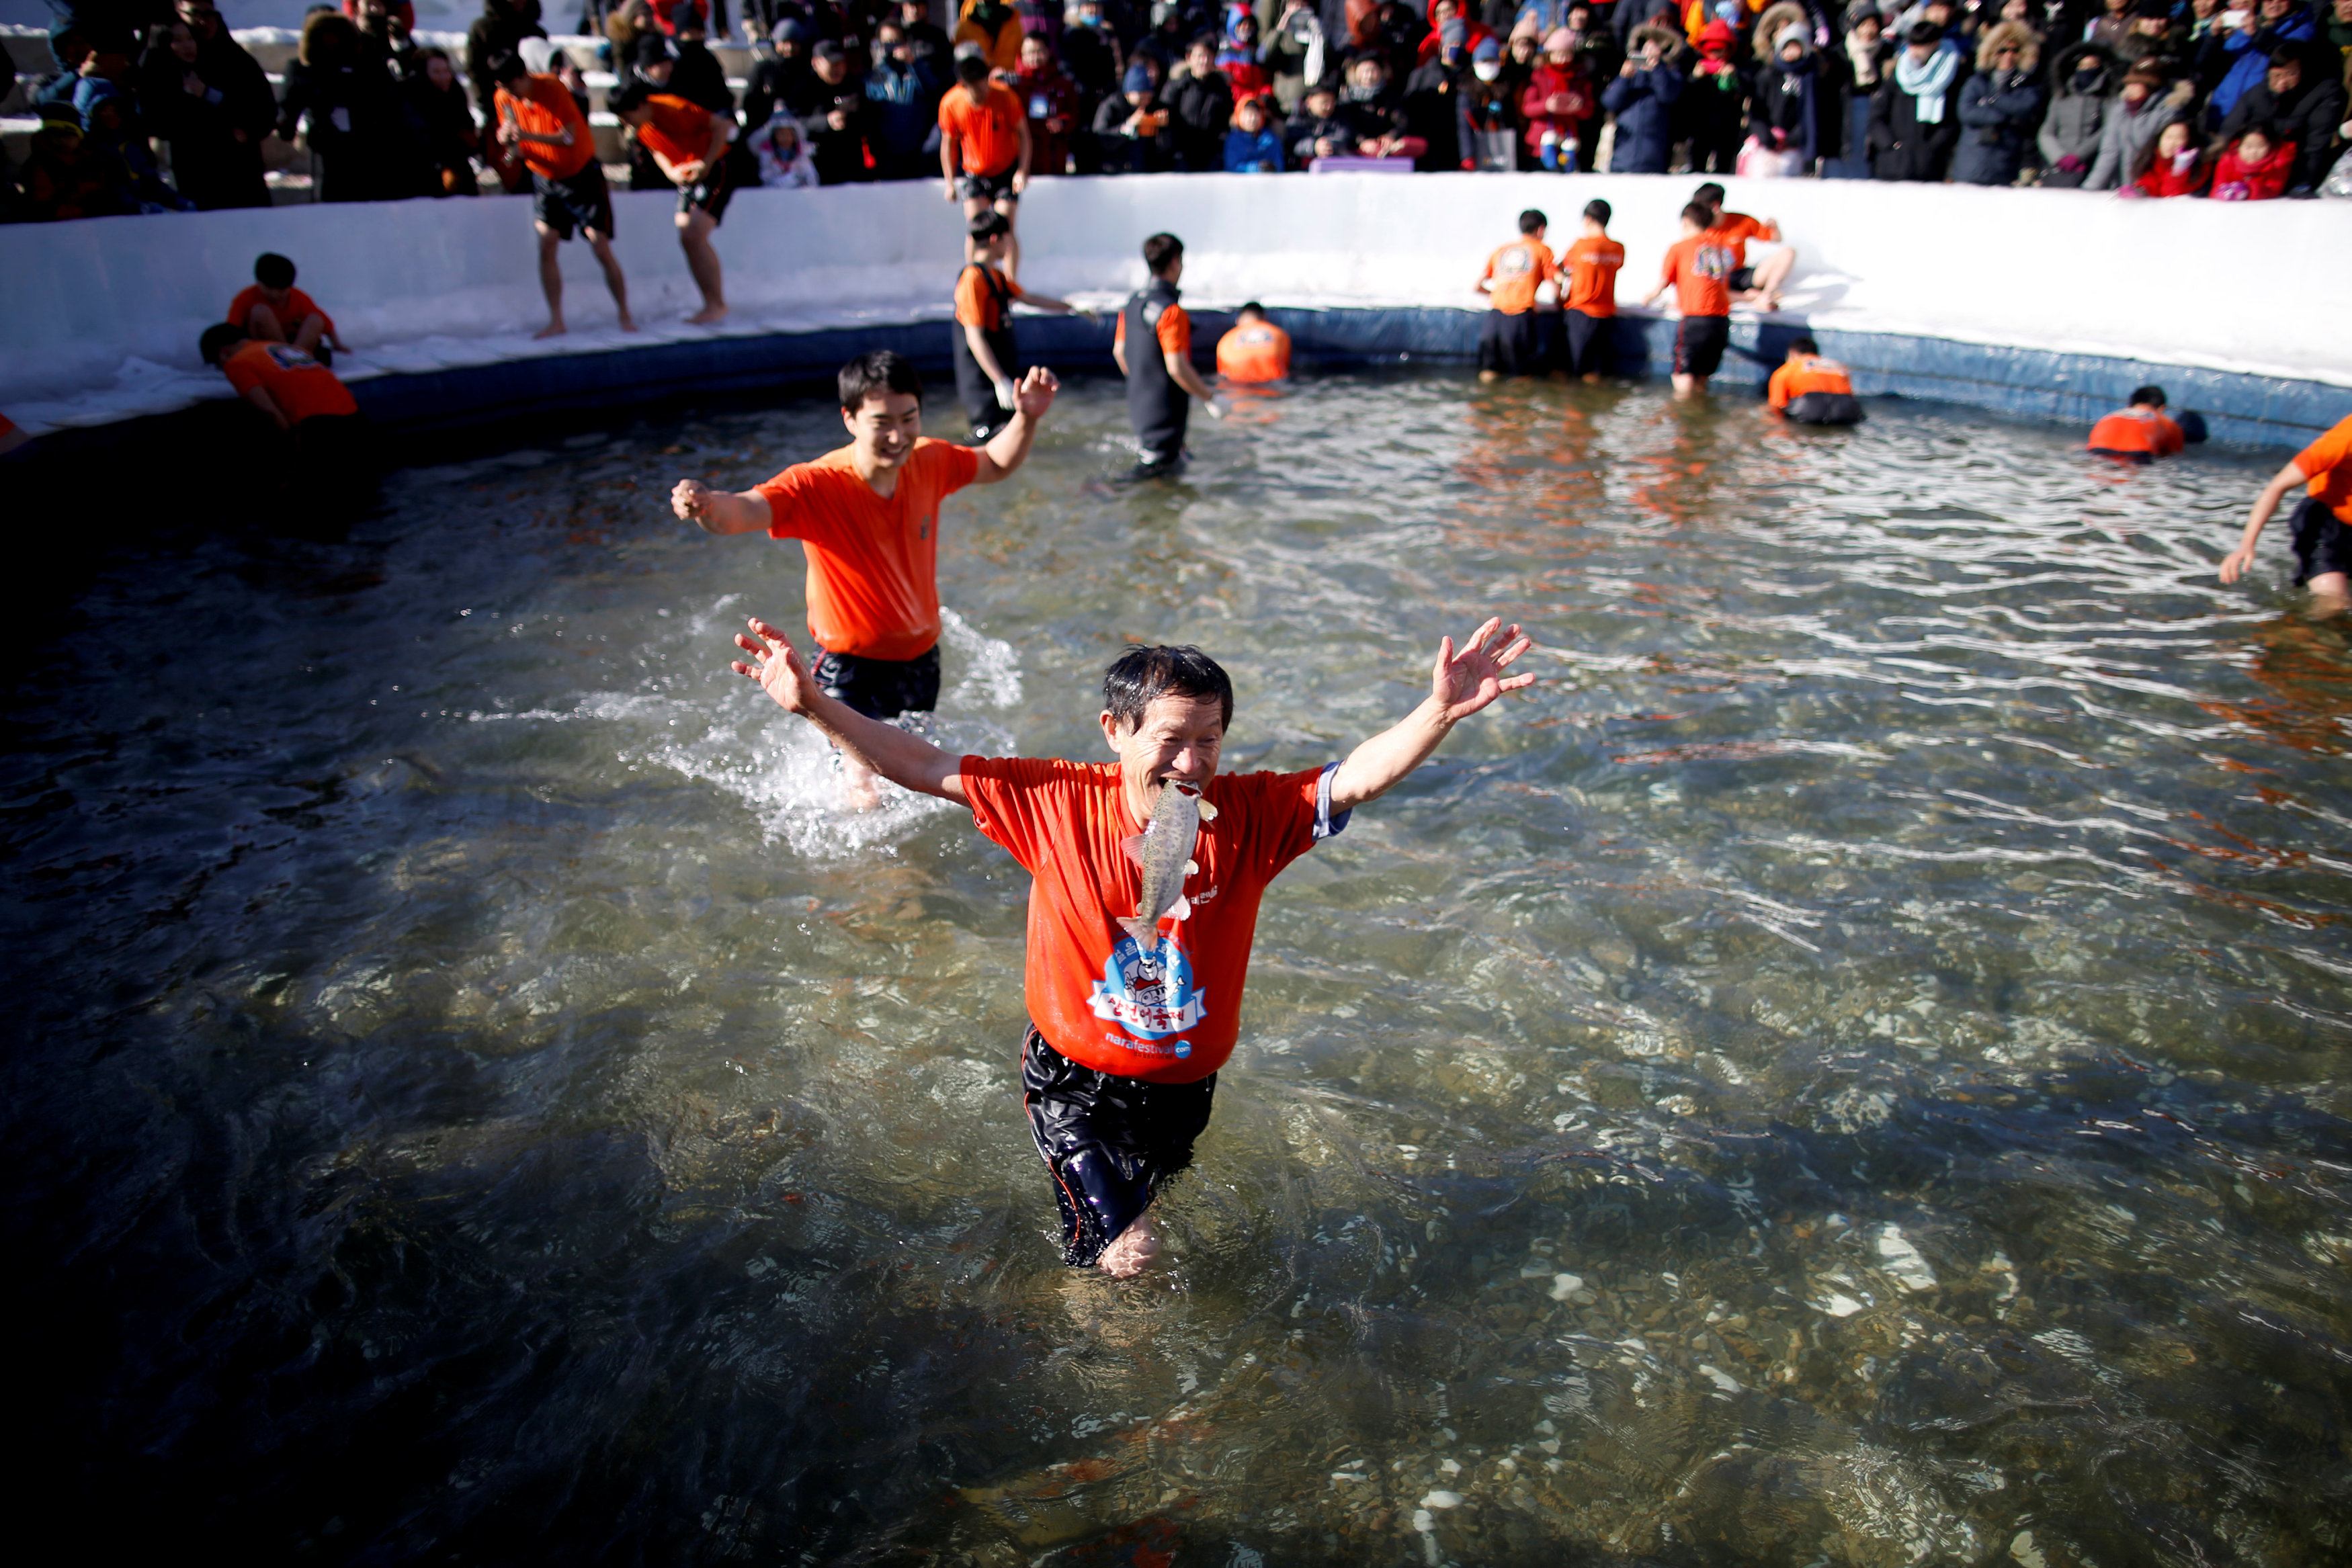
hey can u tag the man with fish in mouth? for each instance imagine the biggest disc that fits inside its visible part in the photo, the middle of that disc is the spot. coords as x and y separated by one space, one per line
1147 875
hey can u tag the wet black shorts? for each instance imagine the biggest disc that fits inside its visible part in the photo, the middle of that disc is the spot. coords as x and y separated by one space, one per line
2322 542
581 201
1112 1143
997 187
881 688
1824 408
1699 343
1591 346
714 189
1506 344
1741 281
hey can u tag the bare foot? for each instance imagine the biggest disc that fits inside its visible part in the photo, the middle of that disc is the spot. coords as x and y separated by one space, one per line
628 323
707 315
552 330
1136 1248
1490 376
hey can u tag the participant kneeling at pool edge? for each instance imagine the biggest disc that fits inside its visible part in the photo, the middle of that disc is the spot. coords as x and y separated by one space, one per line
1811 389
987 356
332 455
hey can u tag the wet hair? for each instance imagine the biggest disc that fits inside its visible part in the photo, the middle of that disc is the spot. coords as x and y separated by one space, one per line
1251 309
1695 214
1802 345
971 69
989 224
218 339
1161 252
2147 397
1141 676
1598 211
1533 219
872 375
272 270
504 69
1710 193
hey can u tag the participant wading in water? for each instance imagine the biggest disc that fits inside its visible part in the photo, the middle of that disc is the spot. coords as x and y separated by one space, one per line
869 518
1121 1056
987 358
1161 385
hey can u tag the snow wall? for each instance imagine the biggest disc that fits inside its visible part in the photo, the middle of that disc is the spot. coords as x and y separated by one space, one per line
2035 302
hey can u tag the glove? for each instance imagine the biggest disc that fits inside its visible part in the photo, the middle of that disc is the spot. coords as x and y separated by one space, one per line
1004 394
1213 409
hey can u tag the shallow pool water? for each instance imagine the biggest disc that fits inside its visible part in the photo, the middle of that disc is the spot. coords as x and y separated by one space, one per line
1849 1069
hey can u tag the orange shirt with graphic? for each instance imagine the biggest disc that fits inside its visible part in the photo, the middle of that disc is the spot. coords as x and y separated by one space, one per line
676 129
1590 266
2328 461
976 303
872 561
1517 270
1697 268
1174 331
987 134
1254 352
1734 230
1091 992
299 385
2137 433
297 308
547 108
1807 374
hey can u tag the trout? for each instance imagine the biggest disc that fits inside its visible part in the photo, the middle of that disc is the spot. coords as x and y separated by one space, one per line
1164 850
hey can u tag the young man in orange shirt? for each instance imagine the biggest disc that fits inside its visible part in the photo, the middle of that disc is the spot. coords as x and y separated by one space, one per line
697 153
869 518
1256 350
538 119
984 145
1811 389
2322 519
272 310
1761 284
1516 272
2141 432
987 359
333 465
1159 387
1591 303
1696 269
1118 1065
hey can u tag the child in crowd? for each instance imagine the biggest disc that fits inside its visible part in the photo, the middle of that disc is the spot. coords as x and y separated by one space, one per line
274 311
1591 301
1516 272
784 161
1810 390
2253 170
66 177
1698 269
1317 131
1252 146
2140 432
1257 351
2178 168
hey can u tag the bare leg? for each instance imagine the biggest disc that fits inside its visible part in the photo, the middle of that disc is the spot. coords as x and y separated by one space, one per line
1136 1249
1689 386
1774 272
1011 210
1490 376
550 282
693 238
307 336
263 326
602 245
2331 592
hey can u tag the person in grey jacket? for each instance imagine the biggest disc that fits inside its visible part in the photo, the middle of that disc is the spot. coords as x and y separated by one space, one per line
1998 107
2141 107
2078 112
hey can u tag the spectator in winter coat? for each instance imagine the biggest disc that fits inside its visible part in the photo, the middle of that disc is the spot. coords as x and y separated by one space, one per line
1317 130
64 177
996 27
2298 109
1851 75
1642 98
1374 111
355 125
781 78
1131 130
784 161
499 30
1785 97
902 104
1202 100
698 77
2137 113
2111 27
1432 93
1050 100
2273 24
1713 113
1253 146
1296 51
1557 103
2078 112
437 104
1912 120
212 163
838 143
2255 169
2177 167
2000 107
1237 57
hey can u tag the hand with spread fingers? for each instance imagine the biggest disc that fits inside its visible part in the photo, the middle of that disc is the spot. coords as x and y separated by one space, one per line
775 666
1463 682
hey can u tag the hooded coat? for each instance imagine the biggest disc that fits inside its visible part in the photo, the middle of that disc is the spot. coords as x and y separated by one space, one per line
1643 104
1902 145
1998 110
2127 133
2308 117
2077 115
1784 98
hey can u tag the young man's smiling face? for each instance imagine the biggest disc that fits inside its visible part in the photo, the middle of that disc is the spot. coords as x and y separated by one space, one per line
885 427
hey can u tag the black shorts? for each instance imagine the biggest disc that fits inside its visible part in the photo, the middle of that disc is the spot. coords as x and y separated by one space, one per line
1591 346
881 688
1110 1142
581 201
2322 542
1507 346
1824 408
715 189
997 187
1699 343
1741 281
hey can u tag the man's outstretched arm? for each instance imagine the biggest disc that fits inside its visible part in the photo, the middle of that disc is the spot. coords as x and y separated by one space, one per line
905 761
720 511
1460 684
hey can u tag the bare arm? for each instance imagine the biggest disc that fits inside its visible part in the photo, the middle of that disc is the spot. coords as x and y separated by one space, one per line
259 398
983 355
1119 353
717 512
1021 170
2234 565
1459 686
906 761
1180 371
948 162
1009 448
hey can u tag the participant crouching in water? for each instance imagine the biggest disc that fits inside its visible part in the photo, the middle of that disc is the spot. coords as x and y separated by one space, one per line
1130 1017
987 358
1161 385
2140 431
2322 527
1810 390
697 151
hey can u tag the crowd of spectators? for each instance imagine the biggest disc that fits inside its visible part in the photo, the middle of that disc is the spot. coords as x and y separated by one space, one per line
158 108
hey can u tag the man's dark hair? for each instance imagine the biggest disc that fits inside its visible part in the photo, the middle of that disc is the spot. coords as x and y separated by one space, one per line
2283 56
1710 195
870 376
218 339
1598 211
1162 252
272 270
971 69
1140 675
630 96
2147 397
1695 214
1251 309
1203 40
989 224
1804 345
504 69
1532 220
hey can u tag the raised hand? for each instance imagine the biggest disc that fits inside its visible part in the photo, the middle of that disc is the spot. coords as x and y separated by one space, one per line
775 666
1035 394
1461 683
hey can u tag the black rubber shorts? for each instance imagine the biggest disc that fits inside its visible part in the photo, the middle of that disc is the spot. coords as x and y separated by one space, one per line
716 187
581 201
1110 1142
881 688
1742 279
1699 343
1591 348
992 188
1507 346
2322 542
1824 408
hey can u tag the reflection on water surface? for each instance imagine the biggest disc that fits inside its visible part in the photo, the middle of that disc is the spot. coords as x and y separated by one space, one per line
1847 1070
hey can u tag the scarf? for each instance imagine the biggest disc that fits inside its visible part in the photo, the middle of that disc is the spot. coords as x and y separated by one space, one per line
1928 83
1865 58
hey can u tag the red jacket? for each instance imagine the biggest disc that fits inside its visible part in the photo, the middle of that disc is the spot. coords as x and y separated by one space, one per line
2235 181
2163 179
1549 80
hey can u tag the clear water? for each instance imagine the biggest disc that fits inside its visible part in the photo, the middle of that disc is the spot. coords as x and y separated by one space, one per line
1848 1069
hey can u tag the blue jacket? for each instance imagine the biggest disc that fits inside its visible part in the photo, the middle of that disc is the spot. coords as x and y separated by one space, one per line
1644 105
904 102
1253 154
2251 59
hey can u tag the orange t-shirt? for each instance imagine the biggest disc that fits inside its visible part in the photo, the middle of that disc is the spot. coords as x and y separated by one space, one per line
299 385
987 134
872 561
2136 431
1591 264
1089 990
1734 230
2328 461
1517 271
546 108
1174 331
679 130
1254 352
1812 373
1697 268
975 302
298 306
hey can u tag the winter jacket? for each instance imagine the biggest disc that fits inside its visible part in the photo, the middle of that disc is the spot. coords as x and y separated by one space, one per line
1643 104
2235 179
1535 112
1784 105
2308 117
2167 178
2250 58
1998 112
1203 106
1253 153
2125 138
902 105
1433 112
2071 128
